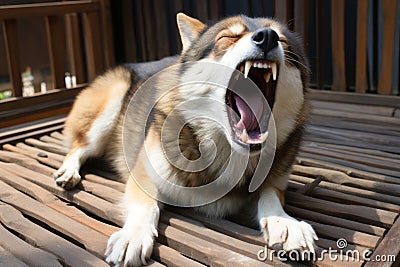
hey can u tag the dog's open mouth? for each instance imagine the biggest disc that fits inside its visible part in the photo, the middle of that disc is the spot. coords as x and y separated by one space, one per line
249 114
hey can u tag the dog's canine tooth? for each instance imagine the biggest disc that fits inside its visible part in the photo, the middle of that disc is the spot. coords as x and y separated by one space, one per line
245 136
264 137
247 67
267 76
274 70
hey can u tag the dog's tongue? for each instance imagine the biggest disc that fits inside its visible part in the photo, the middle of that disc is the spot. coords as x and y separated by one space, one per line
247 118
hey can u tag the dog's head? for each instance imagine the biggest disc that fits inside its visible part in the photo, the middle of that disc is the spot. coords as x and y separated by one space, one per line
267 54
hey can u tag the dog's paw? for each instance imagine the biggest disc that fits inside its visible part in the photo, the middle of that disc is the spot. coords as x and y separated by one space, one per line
130 247
286 233
67 177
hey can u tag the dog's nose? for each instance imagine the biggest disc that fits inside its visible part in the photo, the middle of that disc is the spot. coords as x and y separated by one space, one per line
266 39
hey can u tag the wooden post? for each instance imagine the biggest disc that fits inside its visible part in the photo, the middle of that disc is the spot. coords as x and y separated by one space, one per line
361 51
301 10
94 47
389 24
338 52
56 51
319 18
11 44
74 48
106 22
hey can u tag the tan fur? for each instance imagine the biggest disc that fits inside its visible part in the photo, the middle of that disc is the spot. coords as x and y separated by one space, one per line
91 102
137 157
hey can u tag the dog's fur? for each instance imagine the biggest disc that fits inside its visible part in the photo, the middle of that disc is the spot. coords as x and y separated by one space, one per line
98 126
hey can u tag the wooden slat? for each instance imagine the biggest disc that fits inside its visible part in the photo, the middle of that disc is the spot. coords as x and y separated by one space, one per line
320 43
338 52
108 37
172 258
373 216
8 259
161 25
34 234
12 51
301 19
284 11
367 99
201 8
56 52
87 201
389 247
93 44
74 47
361 42
130 37
389 25
47 9
149 29
202 250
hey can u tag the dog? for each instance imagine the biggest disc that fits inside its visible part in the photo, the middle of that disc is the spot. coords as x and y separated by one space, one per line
178 137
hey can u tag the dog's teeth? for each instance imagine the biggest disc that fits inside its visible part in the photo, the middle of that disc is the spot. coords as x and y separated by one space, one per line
247 67
245 136
265 66
267 76
263 137
274 70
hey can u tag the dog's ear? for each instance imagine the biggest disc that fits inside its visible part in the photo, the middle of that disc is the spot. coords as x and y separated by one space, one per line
189 29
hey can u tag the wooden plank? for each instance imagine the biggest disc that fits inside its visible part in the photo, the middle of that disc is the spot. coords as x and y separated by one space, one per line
389 247
130 37
8 259
12 52
47 9
24 251
108 37
172 258
320 43
49 139
161 25
331 220
149 29
355 98
69 253
355 108
214 10
35 150
93 45
7 156
381 218
301 19
56 51
345 194
338 51
74 47
201 8
361 51
89 202
45 197
61 150
197 229
351 236
93 241
389 25
201 250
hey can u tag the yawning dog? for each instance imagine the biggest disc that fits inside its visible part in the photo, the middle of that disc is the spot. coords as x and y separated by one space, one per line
200 133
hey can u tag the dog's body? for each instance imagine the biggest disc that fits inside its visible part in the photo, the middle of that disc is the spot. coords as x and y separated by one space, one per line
104 123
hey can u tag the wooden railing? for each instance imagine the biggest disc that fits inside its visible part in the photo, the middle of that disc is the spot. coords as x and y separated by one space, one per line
351 44
88 50
97 38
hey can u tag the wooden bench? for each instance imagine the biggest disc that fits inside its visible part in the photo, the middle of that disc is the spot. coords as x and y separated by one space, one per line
346 183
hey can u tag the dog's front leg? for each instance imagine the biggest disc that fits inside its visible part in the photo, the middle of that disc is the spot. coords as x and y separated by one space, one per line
280 230
133 244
